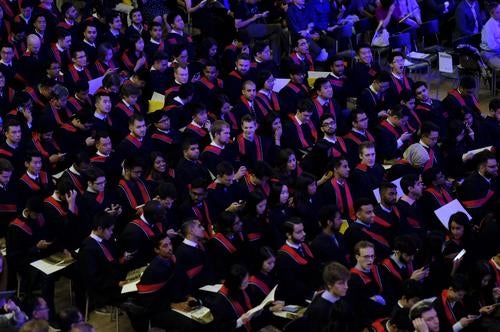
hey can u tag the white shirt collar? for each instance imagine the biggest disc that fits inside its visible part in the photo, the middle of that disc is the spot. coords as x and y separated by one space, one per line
298 121
190 243
88 43
144 219
100 116
331 140
73 170
179 100
293 245
326 295
99 153
32 176
154 41
95 237
217 145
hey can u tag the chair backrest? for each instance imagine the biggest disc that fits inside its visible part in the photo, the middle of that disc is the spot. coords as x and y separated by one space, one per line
401 40
474 40
429 28
364 25
342 32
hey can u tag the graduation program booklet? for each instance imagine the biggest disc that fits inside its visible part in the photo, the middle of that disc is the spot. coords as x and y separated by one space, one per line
133 277
200 314
53 263
269 298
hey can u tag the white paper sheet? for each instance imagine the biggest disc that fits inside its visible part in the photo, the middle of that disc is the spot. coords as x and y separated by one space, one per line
476 151
52 263
280 83
95 84
317 74
445 63
269 298
211 288
399 191
445 211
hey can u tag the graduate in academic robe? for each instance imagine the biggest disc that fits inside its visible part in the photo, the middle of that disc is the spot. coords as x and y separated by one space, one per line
263 279
137 239
296 90
296 267
372 99
136 143
358 134
368 174
363 72
34 182
299 132
328 307
399 81
234 80
462 96
220 149
329 245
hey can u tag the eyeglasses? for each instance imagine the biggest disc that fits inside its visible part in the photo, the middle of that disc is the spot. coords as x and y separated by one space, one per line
368 256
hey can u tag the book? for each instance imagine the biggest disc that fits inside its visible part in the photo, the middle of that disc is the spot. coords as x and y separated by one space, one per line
53 263
133 277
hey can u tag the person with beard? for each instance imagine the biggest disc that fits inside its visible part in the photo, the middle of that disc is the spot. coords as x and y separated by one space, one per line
132 191
296 266
328 308
135 143
463 95
195 205
234 80
328 147
329 245
478 191
398 267
367 286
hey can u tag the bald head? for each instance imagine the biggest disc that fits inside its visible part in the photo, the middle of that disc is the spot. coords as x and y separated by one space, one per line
34 43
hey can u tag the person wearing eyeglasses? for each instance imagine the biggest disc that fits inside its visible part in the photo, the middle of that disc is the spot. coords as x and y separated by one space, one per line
366 286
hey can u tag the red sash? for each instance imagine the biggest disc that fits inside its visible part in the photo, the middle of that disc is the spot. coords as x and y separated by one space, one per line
448 310
389 264
267 103
76 181
340 202
98 159
22 225
197 129
308 60
295 255
206 218
225 242
213 149
398 85
8 11
258 146
32 184
253 280
295 88
56 205
357 140
300 133
144 227
207 83
234 73
150 288
379 325
6 153
130 196
442 196
162 137
319 108
237 307
194 271
476 203
461 99
336 153
379 238
391 129
56 53
99 198
384 223
134 140
75 74
125 109
34 96
497 272
106 252
8 208
367 279
430 162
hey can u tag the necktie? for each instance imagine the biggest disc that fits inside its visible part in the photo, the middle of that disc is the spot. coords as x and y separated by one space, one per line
301 251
